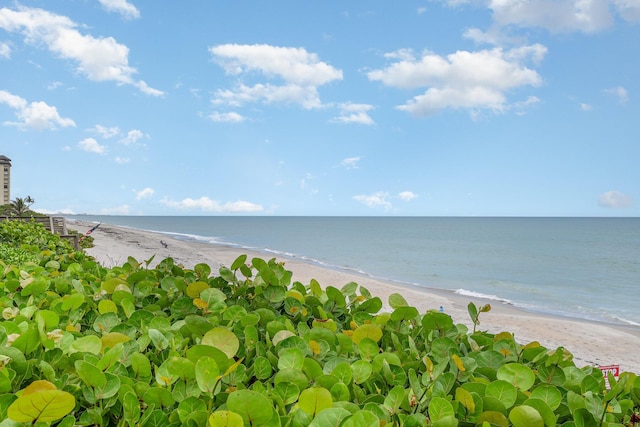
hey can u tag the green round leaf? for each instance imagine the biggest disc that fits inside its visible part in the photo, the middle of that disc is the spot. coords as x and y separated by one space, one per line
314 400
87 344
41 406
330 417
368 330
503 391
396 301
291 358
207 372
254 408
225 419
361 370
222 339
517 374
525 416
361 418
440 408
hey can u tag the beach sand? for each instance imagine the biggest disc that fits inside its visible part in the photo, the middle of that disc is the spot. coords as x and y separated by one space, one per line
591 343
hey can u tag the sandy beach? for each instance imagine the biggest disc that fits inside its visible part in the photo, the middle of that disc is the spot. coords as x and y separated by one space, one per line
591 343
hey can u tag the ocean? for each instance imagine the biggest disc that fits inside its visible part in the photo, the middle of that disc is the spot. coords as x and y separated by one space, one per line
586 268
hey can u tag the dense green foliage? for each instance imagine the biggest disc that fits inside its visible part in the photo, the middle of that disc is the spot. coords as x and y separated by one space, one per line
132 345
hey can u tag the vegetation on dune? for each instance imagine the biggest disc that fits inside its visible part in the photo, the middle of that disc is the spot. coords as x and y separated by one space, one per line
84 345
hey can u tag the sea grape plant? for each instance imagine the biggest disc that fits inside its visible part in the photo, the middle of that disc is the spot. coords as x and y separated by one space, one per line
85 345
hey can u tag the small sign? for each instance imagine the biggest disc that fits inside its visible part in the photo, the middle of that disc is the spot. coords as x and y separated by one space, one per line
610 369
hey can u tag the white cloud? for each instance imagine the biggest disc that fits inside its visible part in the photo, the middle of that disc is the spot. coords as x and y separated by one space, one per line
407 196
354 113
208 205
375 200
5 50
92 146
559 15
299 73
144 194
586 107
35 115
615 199
99 59
231 117
619 92
122 160
462 80
127 10
133 136
350 162
105 132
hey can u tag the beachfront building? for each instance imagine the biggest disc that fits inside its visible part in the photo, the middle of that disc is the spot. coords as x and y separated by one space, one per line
5 178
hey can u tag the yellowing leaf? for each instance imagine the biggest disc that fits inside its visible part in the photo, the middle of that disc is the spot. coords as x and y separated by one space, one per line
367 331
109 340
459 363
295 294
194 289
314 346
43 406
200 303
38 385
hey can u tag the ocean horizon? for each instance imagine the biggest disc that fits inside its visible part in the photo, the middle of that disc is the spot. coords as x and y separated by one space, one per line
580 267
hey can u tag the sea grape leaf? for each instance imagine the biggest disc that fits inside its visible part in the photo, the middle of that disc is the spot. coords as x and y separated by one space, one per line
225 418
41 404
503 391
111 339
361 418
330 417
223 339
517 374
254 408
466 399
396 301
525 416
369 330
404 313
86 344
90 374
393 400
291 358
544 410
434 320
548 394
207 372
314 400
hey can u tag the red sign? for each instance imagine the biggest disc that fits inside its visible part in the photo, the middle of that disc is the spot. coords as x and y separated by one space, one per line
611 369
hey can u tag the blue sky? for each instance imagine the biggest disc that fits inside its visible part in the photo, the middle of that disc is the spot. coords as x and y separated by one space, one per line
458 107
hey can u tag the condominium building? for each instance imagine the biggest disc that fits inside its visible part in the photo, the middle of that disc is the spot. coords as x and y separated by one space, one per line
5 178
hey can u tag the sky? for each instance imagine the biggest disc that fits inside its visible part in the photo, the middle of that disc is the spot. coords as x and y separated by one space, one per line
404 108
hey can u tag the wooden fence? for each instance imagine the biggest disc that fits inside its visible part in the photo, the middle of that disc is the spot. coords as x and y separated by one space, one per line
55 224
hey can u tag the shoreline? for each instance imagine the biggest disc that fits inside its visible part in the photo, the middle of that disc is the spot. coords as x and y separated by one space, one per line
591 343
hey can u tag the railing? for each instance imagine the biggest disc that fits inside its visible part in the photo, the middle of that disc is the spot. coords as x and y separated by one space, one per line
55 224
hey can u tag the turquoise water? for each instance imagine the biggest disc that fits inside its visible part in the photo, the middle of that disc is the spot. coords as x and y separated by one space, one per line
578 267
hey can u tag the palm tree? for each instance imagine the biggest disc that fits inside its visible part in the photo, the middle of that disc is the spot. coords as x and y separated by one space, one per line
20 206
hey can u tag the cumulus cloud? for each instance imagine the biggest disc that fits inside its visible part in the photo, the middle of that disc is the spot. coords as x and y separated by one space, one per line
615 200
462 80
354 113
230 117
407 196
350 162
133 136
379 199
92 146
206 204
618 92
99 59
127 10
5 50
105 132
35 115
296 72
559 15
144 193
